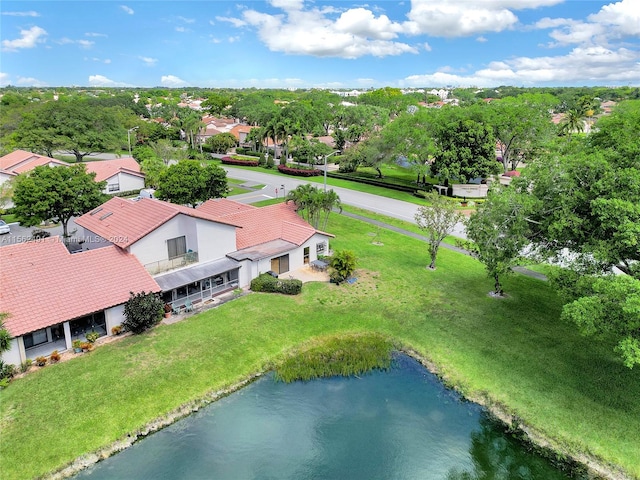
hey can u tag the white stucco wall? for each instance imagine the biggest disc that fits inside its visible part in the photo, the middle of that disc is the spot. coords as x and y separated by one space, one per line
13 354
126 181
211 240
114 316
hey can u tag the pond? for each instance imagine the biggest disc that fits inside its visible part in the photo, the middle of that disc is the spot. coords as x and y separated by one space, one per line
397 424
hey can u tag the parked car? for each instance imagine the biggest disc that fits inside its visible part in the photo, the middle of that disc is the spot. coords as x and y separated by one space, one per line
4 228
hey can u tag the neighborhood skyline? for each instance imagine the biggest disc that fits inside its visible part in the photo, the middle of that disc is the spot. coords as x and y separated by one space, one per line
324 44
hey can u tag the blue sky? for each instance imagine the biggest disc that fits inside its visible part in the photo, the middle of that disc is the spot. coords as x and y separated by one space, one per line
327 44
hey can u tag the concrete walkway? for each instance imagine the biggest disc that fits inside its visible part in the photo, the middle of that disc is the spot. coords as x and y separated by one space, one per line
422 238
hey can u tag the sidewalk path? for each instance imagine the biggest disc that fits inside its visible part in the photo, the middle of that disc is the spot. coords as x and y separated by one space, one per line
402 231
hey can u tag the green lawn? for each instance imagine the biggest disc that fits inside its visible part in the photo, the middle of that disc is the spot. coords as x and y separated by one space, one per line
512 352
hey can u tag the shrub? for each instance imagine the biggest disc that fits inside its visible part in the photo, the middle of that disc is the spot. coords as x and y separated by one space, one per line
142 311
117 330
342 265
7 370
26 365
299 172
92 337
88 346
76 344
238 161
266 283
54 357
41 361
38 233
270 162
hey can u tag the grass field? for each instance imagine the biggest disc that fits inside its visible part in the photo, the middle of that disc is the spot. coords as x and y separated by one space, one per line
512 352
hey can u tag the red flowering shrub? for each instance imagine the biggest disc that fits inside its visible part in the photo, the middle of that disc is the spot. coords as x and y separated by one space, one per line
238 161
299 172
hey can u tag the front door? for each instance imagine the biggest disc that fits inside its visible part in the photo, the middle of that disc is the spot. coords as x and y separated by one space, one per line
306 255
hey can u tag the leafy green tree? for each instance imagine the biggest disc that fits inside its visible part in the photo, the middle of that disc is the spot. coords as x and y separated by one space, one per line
6 193
499 230
342 265
437 220
222 142
189 183
142 311
165 150
57 194
522 125
152 167
465 150
72 126
217 103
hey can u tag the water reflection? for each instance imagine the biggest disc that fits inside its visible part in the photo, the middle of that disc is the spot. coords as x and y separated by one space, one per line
400 424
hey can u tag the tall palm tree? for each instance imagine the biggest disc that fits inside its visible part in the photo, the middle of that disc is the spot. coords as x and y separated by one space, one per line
573 122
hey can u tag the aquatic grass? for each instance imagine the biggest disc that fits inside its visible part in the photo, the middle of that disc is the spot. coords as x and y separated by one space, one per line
336 356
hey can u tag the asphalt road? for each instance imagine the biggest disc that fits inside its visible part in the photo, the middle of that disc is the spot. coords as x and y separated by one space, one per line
385 206
276 186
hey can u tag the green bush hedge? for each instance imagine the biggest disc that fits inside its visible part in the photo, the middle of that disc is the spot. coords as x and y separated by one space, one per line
266 283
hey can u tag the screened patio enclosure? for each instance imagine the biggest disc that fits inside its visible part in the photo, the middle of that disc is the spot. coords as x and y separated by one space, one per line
199 283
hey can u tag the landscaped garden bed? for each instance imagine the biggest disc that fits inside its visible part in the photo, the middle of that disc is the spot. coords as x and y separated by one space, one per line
299 171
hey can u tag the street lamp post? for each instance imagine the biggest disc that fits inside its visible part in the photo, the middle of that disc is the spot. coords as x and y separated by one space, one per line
283 191
129 137
325 167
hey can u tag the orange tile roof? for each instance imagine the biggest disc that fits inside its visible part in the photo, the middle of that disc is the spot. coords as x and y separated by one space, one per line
261 225
105 169
20 161
43 284
124 222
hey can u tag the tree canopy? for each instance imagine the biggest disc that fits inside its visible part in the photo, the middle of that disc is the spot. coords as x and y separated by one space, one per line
189 183
57 194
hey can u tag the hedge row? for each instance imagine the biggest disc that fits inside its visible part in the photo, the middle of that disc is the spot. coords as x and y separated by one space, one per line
372 181
266 283
299 172
235 161
247 151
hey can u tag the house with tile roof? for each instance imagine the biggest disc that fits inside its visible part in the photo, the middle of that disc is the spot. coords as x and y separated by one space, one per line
121 174
53 297
20 161
197 254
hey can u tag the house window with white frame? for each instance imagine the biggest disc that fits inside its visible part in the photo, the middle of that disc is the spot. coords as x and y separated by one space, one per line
113 187
177 247
321 248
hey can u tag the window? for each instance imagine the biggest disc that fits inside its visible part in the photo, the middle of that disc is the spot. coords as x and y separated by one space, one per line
280 264
35 338
320 248
305 254
177 247
114 187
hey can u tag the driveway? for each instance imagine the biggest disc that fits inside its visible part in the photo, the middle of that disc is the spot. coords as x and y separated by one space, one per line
20 234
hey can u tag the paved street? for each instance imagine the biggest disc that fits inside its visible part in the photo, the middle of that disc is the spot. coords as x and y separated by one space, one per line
386 206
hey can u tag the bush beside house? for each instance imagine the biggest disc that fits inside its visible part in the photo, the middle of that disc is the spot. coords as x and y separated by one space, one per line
266 283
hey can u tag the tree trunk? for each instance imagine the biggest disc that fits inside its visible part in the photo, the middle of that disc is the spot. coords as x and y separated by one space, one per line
379 172
497 287
433 252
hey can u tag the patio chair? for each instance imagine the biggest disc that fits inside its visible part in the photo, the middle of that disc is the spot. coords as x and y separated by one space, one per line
188 306
175 309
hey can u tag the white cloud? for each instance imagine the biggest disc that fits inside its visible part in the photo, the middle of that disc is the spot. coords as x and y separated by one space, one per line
30 13
4 79
30 82
85 43
356 32
99 60
481 39
148 61
69 41
443 18
102 81
214 39
583 64
94 34
236 22
187 20
126 9
172 81
182 29
233 39
28 39
623 16
427 47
